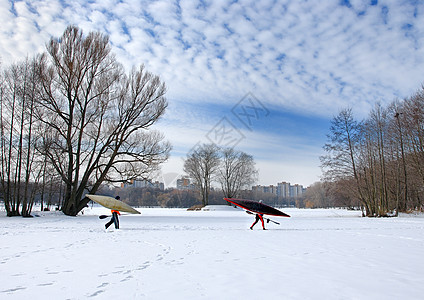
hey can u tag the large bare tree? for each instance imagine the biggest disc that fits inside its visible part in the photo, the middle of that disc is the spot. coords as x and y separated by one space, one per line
202 165
98 117
237 171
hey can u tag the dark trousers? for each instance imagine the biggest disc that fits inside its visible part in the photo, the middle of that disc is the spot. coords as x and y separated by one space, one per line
258 217
114 219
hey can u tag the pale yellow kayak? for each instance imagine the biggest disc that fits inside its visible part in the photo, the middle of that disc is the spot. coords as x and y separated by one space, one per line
113 203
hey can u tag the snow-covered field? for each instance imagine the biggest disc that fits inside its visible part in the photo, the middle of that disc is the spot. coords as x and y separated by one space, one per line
177 254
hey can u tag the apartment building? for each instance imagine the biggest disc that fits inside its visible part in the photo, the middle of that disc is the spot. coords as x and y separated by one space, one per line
282 189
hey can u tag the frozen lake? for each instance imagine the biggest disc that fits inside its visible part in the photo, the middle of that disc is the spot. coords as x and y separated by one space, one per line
179 254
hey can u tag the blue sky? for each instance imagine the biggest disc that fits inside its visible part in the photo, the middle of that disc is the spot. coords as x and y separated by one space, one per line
291 65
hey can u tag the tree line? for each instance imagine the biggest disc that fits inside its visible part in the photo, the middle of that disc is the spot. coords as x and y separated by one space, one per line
376 163
72 117
231 169
188 198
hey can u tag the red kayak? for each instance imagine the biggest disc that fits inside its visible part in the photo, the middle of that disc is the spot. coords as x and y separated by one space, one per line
257 207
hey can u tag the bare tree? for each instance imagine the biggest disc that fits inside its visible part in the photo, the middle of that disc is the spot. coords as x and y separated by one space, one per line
202 165
237 171
97 116
341 160
8 153
20 171
373 161
317 194
410 121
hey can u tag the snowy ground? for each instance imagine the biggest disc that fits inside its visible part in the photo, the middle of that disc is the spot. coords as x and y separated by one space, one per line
177 254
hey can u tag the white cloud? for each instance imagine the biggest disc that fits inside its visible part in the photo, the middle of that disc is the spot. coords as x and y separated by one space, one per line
311 57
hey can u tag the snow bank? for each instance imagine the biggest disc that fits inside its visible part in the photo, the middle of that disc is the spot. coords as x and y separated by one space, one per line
219 208
179 254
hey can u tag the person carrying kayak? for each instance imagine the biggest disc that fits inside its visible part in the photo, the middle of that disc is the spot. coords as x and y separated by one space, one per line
114 218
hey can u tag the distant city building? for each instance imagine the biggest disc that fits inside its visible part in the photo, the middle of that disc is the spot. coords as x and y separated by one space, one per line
296 190
271 189
144 183
258 188
184 184
282 189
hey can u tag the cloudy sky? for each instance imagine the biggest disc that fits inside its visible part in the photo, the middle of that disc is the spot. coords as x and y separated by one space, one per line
265 77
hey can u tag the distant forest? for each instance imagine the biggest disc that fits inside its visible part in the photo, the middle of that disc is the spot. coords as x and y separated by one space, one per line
173 198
